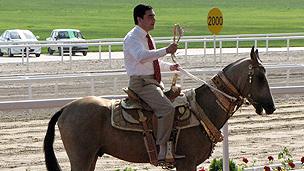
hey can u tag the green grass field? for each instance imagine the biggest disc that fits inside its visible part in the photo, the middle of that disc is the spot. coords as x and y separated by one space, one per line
113 18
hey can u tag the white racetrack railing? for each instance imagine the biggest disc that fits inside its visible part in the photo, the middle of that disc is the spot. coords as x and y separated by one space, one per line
51 103
186 40
29 80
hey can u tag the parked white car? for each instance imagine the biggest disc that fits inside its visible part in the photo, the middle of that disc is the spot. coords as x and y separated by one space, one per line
67 35
17 36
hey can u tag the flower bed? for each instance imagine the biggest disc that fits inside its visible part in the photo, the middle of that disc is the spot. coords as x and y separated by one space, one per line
285 163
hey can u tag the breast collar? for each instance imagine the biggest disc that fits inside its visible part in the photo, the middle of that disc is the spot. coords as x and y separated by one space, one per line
223 84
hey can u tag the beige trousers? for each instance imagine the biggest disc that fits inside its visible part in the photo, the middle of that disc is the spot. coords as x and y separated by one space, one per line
149 90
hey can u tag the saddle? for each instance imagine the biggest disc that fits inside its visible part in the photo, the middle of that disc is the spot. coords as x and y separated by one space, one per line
128 111
133 114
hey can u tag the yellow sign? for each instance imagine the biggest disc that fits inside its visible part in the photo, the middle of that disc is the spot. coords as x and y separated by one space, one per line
215 20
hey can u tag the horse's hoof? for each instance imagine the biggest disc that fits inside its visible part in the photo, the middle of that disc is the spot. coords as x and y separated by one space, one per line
166 164
161 163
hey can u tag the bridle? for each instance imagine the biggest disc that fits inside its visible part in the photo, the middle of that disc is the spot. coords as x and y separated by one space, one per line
224 84
251 72
229 98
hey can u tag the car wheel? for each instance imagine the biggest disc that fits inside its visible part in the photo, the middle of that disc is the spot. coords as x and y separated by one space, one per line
50 51
37 54
1 54
10 53
85 53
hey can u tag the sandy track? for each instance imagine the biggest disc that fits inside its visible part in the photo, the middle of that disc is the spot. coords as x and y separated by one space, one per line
250 135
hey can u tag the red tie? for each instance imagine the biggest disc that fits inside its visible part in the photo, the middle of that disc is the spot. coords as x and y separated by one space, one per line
156 67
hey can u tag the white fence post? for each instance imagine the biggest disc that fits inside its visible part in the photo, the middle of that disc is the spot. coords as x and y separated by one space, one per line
287 49
237 46
70 54
110 56
186 49
61 51
27 58
267 45
225 148
22 56
220 51
205 47
99 50
214 48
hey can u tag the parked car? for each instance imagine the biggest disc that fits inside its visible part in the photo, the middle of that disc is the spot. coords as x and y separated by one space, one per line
17 36
68 35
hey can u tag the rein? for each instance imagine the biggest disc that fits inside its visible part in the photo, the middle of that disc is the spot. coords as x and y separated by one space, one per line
220 81
210 86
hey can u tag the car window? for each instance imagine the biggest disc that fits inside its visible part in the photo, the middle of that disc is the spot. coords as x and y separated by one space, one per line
14 35
63 35
29 35
77 34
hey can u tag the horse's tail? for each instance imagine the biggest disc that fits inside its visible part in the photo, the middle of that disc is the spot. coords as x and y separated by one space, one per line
49 155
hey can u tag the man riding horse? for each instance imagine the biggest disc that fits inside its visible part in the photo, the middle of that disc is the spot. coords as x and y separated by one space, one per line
143 67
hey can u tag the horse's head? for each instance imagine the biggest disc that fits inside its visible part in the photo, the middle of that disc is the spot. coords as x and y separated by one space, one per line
249 77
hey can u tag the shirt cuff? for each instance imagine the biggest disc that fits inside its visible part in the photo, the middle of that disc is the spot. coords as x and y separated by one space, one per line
165 66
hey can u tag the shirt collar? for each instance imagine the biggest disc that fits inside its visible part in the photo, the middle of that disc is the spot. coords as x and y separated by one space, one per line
141 32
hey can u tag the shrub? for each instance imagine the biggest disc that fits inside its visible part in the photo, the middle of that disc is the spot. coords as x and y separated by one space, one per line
217 165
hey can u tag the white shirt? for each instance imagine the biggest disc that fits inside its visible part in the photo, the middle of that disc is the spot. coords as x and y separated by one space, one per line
137 56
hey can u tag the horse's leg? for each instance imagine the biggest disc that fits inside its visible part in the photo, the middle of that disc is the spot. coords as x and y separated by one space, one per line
185 165
82 157
93 164
81 129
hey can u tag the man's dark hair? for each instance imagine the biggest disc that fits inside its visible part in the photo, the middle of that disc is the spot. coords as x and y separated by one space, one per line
139 11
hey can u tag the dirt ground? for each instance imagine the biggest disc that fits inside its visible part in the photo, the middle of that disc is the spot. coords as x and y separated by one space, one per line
250 135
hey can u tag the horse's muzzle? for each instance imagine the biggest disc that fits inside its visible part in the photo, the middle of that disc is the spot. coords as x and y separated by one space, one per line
270 111
269 108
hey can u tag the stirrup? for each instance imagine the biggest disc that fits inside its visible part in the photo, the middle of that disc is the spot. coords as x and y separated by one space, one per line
170 154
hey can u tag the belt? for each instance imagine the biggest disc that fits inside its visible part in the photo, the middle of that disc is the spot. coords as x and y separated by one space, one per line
142 76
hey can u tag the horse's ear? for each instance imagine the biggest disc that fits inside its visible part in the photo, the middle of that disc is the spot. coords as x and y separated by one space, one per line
257 56
254 55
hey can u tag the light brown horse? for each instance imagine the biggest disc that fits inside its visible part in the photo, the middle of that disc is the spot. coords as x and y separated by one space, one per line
86 131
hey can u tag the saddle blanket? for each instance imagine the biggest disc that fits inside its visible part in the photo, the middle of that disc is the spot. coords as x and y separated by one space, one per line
128 119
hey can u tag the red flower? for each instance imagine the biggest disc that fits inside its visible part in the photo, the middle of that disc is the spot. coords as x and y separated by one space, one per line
270 158
202 169
266 168
291 164
279 168
245 160
302 160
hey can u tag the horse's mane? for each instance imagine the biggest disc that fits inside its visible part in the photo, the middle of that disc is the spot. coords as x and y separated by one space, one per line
235 63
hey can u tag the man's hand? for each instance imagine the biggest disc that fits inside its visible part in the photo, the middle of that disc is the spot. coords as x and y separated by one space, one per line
171 48
174 67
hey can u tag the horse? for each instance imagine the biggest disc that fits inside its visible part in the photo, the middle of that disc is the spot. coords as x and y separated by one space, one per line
87 133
